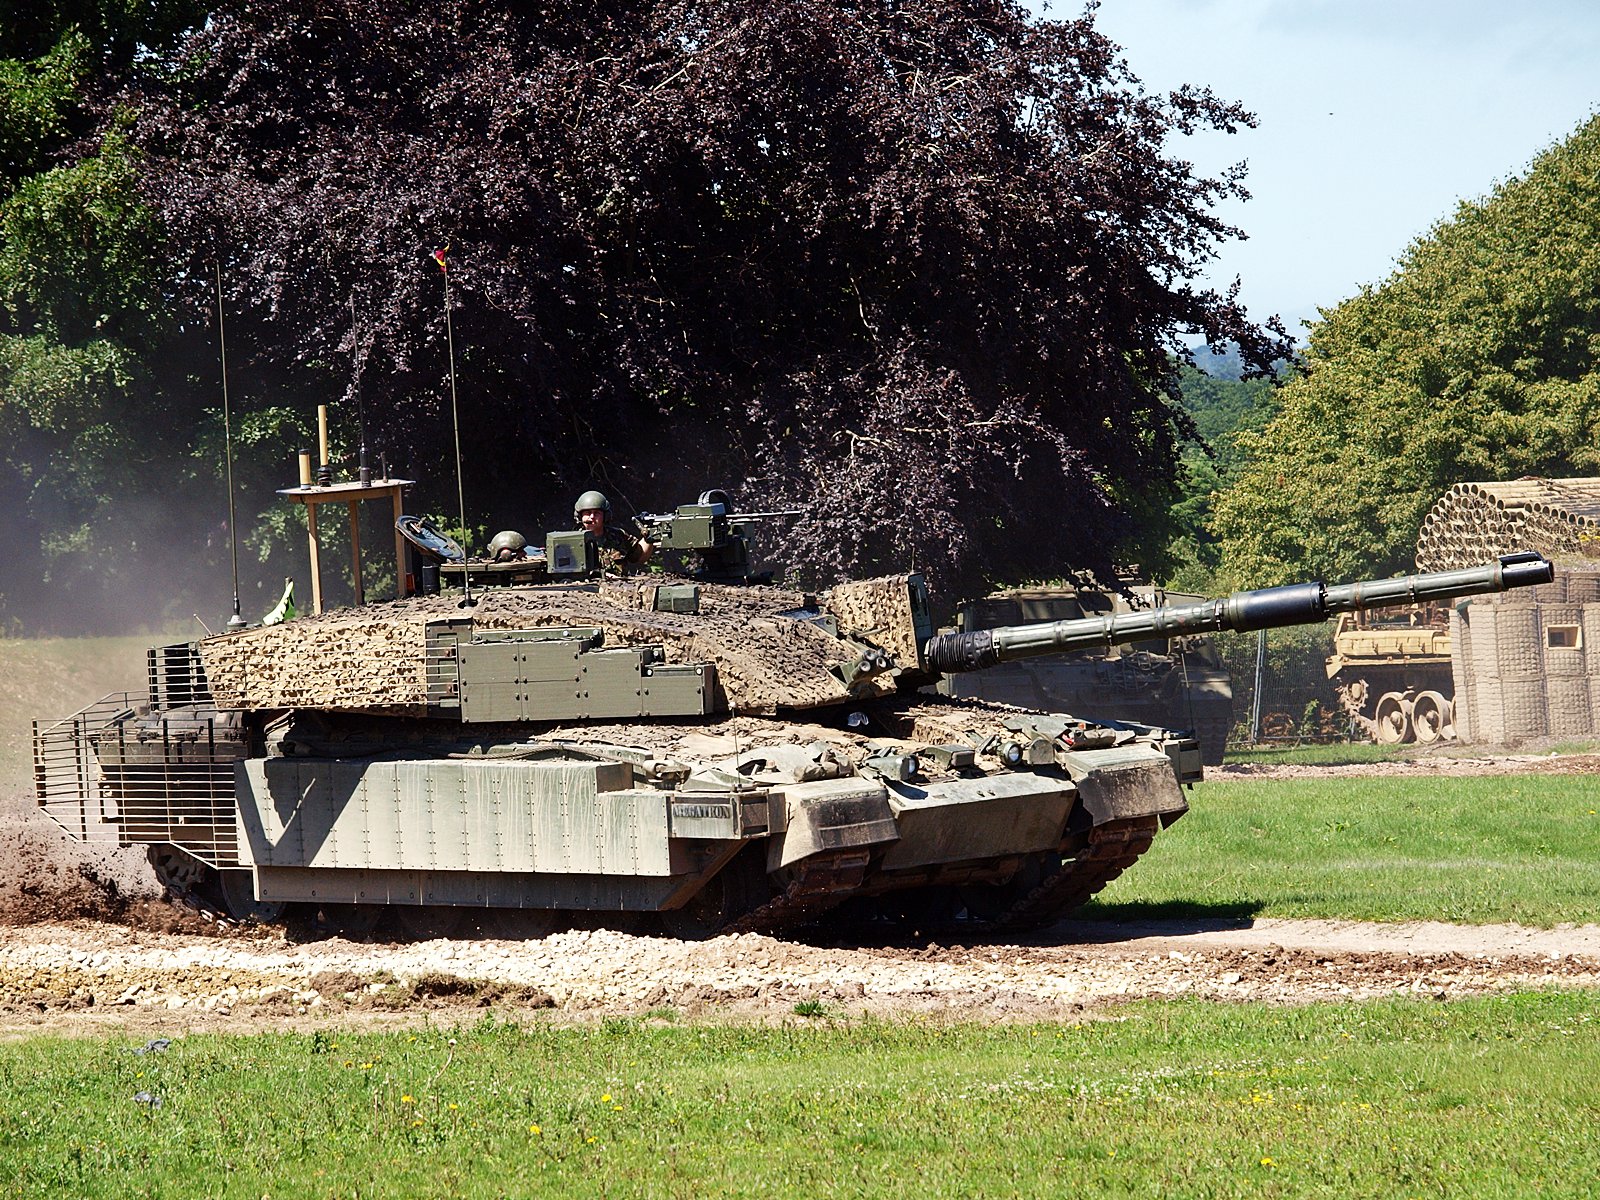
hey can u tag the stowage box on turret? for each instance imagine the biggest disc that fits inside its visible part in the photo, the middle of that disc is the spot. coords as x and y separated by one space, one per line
725 753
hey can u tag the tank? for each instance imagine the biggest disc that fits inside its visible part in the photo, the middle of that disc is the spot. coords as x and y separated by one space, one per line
703 748
1391 671
1177 683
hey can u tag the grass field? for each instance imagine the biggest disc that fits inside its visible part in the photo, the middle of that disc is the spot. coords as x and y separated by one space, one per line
1334 754
1321 754
1471 849
1402 1098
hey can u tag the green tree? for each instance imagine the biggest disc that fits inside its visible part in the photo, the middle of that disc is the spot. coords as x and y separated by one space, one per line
1223 409
1475 360
86 434
919 269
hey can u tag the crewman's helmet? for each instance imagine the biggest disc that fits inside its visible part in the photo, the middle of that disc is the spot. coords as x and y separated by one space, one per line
592 499
507 546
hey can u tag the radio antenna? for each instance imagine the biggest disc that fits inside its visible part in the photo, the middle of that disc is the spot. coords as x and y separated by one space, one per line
440 257
365 472
236 621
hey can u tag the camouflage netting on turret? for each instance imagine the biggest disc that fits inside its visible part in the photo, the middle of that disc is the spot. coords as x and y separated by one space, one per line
878 610
1475 522
374 658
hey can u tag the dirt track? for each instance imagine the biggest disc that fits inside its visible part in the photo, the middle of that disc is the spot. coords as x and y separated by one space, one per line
84 975
91 947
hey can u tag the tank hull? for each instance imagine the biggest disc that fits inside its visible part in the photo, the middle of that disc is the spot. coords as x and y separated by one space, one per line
724 756
354 812
1394 678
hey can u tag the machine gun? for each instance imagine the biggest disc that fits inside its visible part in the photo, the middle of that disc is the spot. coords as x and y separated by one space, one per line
708 539
1268 608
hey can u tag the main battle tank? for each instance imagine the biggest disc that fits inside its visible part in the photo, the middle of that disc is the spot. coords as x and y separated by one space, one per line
1392 674
726 753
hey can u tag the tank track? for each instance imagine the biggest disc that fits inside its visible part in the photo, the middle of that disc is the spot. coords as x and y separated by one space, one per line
823 884
1353 700
1113 847
819 885
186 883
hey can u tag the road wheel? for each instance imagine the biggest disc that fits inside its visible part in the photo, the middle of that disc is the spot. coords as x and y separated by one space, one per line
238 890
1394 719
728 895
347 920
1430 717
514 924
989 902
425 922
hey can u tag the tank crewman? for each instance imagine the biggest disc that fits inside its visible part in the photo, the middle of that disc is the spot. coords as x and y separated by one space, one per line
508 546
593 514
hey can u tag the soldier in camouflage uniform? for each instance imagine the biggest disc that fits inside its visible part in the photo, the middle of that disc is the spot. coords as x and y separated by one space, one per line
593 514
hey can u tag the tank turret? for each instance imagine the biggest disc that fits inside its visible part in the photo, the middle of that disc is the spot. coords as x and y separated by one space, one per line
707 749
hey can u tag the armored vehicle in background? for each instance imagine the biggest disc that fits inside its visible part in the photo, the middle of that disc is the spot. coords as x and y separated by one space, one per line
722 755
1392 674
1174 683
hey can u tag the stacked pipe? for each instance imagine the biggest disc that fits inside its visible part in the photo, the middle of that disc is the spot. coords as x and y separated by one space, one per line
1473 522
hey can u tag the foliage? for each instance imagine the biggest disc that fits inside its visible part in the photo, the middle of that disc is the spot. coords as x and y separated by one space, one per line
916 268
88 435
1476 360
79 252
1222 409
118 30
38 98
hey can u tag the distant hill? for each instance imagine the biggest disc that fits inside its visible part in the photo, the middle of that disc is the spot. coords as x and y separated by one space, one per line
1225 365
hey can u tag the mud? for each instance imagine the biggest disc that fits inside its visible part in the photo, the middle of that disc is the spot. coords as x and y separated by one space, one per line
89 976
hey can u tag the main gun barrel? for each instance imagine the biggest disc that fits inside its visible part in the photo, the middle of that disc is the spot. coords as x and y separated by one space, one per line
1268 608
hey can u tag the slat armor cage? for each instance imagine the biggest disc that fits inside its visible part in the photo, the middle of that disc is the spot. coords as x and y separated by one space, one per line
150 768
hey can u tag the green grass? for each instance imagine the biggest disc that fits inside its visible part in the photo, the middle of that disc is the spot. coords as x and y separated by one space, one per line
1336 754
1321 754
1488 1097
1466 849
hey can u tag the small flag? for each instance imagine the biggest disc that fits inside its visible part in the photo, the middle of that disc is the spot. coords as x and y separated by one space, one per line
285 610
439 257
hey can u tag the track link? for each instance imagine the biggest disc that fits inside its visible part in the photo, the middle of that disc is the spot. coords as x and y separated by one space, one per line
819 885
189 884
1113 847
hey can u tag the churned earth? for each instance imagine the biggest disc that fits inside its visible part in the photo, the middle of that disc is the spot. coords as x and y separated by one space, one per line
87 944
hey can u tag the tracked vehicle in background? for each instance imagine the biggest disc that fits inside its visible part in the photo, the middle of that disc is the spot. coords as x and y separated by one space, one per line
1392 674
723 754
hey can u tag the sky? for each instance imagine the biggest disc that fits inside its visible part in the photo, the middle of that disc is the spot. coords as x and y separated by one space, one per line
1377 118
